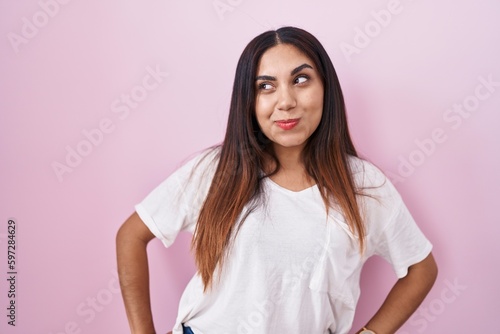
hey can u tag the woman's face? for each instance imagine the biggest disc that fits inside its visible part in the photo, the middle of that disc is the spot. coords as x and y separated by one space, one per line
289 99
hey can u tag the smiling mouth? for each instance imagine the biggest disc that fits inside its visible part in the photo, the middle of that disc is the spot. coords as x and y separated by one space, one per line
287 124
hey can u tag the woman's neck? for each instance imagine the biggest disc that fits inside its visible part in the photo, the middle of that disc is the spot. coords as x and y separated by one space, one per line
290 158
292 173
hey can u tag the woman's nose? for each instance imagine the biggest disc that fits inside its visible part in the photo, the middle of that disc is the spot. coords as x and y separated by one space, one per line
286 99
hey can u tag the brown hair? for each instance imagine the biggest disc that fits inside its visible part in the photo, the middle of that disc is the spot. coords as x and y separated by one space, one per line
237 179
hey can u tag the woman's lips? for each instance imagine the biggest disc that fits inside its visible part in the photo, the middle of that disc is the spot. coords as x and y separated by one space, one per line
288 123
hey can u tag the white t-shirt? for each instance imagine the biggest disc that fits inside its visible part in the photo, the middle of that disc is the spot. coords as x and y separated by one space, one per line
291 269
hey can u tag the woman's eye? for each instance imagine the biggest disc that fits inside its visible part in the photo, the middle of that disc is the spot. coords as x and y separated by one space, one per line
301 79
265 86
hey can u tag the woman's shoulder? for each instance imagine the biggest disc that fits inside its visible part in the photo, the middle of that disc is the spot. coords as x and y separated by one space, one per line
197 167
202 160
365 173
370 180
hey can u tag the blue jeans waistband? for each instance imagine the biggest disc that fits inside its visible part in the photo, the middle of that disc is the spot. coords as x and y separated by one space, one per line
187 330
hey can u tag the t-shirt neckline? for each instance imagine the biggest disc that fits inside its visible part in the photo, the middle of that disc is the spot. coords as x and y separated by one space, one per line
274 184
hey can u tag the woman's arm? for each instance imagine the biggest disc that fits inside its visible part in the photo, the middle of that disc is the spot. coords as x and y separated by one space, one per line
405 297
131 242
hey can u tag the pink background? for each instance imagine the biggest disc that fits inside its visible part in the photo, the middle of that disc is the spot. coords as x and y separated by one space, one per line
60 76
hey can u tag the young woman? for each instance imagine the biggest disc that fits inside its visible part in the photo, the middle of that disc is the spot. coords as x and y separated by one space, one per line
284 213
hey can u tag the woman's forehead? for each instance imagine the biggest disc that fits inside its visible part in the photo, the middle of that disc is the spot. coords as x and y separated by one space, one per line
282 58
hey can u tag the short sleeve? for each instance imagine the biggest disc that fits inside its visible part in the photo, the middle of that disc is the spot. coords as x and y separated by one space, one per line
174 205
401 242
392 233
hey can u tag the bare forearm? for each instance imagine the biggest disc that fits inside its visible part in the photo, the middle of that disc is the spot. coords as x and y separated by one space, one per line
405 297
134 282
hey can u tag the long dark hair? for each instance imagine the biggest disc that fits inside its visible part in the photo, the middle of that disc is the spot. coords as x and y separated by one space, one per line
245 149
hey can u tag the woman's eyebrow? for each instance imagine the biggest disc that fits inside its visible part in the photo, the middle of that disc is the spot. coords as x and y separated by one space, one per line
265 77
300 68
294 71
